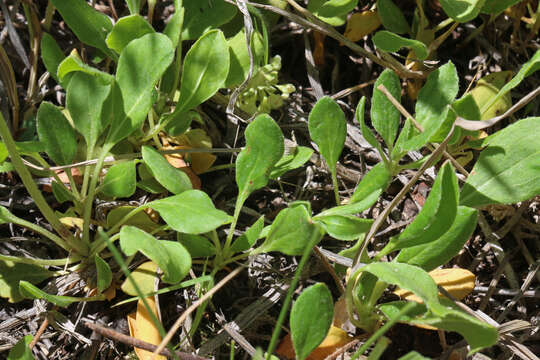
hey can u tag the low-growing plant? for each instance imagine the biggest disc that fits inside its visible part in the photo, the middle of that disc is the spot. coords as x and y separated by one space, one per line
109 118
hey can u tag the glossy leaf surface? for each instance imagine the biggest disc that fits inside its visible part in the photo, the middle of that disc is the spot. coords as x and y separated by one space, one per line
170 256
173 179
333 12
201 16
120 180
328 129
56 134
13 272
507 171
191 212
311 317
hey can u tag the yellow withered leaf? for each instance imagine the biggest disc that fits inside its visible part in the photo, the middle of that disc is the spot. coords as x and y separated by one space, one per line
335 339
458 282
362 24
143 328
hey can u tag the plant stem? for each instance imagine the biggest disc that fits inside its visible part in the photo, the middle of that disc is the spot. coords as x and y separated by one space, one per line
34 192
89 201
383 330
238 207
40 262
285 308
336 188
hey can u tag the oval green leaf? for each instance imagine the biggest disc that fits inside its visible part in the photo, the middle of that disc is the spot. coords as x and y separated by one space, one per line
127 29
191 212
328 129
56 134
384 115
13 272
264 148
140 66
462 10
197 245
201 16
104 274
508 170
170 256
51 54
392 17
120 180
173 179
344 227
86 95
205 70
311 317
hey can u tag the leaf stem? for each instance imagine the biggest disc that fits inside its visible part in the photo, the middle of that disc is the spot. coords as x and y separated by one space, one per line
286 303
336 188
40 262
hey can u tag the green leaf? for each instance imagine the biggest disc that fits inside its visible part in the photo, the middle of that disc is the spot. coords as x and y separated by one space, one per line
384 115
311 317
170 256
290 232
61 193
134 6
201 16
508 170
12 272
462 10
173 179
431 255
191 212
239 63
173 29
432 107
328 129
529 68
29 291
497 6
291 161
120 180
247 239
391 17
104 273
344 227
87 116
197 245
89 25
333 12
126 29
264 148
141 64
435 218
390 42
51 54
56 134
359 115
353 208
74 63
21 350
140 219
375 181
413 355
478 334
205 70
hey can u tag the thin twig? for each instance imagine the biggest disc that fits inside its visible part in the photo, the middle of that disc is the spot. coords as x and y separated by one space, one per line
126 339
192 308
